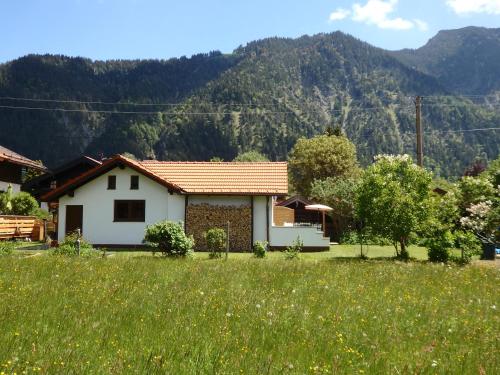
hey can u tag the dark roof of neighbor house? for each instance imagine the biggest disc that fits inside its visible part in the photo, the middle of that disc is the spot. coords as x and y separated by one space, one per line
294 199
229 178
49 175
440 191
15 158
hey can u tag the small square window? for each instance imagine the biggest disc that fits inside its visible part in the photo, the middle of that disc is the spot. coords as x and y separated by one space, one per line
134 182
111 182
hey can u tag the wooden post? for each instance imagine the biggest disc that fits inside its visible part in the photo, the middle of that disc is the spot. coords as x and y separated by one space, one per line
78 242
418 124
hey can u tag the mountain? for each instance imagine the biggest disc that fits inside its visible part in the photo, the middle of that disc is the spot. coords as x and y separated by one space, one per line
465 61
263 96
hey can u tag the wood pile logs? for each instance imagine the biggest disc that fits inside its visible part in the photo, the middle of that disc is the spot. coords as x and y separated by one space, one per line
201 217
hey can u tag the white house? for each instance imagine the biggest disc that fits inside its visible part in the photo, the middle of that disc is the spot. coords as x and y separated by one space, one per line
114 202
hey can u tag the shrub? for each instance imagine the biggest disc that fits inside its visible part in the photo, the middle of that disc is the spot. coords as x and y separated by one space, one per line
169 238
216 239
260 249
24 204
469 245
6 248
293 251
354 238
69 247
439 246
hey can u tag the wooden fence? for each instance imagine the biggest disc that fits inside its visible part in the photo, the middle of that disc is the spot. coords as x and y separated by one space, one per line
21 227
283 215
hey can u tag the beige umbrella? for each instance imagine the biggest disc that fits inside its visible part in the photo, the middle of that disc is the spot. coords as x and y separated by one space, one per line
320 208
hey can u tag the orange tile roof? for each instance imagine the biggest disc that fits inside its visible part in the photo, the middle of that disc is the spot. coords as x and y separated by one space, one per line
15 158
263 178
266 178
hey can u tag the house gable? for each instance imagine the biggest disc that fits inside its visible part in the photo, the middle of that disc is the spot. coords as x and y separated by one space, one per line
117 161
99 224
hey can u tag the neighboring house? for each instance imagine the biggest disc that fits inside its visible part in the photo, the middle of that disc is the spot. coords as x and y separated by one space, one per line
54 178
114 202
296 206
12 169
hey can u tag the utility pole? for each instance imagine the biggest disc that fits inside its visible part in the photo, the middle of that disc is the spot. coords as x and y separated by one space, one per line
418 123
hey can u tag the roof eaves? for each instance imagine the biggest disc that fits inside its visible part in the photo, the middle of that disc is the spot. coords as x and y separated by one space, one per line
103 168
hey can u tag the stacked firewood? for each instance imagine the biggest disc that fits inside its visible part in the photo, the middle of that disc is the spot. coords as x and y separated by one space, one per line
201 217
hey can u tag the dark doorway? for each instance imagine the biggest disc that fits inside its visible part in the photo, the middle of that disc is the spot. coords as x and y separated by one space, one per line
74 218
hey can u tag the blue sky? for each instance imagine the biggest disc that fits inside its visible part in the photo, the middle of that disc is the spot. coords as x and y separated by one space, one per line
108 29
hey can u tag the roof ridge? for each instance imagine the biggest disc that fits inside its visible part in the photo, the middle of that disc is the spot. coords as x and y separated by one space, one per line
151 161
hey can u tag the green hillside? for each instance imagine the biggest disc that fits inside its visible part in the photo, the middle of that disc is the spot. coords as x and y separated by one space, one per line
263 96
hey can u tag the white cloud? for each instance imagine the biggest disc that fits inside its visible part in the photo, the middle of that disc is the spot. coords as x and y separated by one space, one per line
474 6
378 13
421 25
339 14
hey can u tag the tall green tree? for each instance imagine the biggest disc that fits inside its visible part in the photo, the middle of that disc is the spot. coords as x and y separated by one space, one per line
338 193
319 158
251 156
393 199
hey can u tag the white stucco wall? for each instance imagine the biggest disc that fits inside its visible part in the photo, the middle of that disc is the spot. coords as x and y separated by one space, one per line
259 219
310 236
16 188
98 208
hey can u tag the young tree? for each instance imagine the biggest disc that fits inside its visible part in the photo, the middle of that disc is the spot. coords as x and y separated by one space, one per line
251 156
393 199
321 157
6 201
338 193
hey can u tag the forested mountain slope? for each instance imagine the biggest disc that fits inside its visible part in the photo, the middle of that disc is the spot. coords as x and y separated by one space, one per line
466 61
263 96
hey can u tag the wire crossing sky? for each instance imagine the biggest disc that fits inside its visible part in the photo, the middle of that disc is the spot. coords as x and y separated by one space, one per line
132 29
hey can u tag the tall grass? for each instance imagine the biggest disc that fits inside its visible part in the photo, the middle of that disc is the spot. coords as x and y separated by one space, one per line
152 315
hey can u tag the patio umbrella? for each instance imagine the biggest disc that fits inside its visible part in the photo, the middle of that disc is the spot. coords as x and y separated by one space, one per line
320 208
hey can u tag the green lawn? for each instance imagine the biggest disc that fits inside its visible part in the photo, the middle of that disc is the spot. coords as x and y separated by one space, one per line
336 251
127 314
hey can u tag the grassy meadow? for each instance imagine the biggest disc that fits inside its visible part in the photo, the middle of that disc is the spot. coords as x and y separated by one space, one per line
146 314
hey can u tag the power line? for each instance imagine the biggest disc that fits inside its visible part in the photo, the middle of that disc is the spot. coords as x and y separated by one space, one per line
460 96
191 113
452 131
277 103
130 112
461 130
120 103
